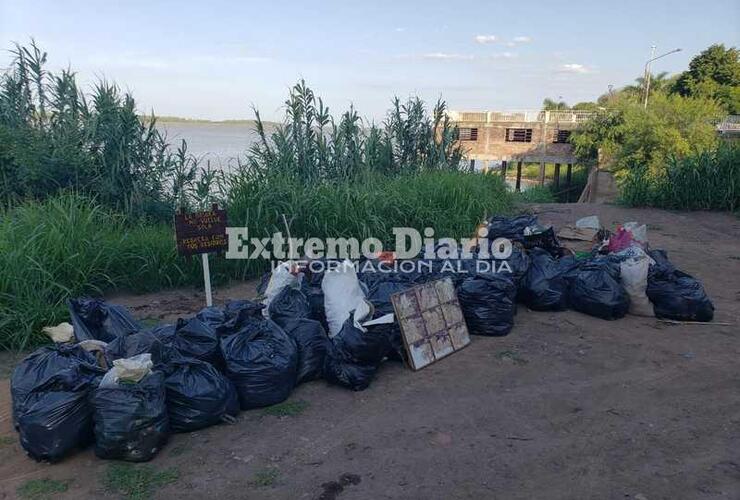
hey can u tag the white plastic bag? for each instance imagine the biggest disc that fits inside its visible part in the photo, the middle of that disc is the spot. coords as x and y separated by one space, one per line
61 333
280 278
633 273
128 370
639 232
635 252
342 295
590 222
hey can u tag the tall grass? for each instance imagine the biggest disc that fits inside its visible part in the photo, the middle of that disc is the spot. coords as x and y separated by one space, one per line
69 246
54 137
451 202
89 189
314 147
708 180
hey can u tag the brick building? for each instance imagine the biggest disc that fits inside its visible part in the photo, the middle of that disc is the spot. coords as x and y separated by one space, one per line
490 137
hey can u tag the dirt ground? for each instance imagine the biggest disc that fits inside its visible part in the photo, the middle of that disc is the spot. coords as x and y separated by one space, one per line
566 406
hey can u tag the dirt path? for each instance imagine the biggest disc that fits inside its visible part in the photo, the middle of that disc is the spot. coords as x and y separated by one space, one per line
567 406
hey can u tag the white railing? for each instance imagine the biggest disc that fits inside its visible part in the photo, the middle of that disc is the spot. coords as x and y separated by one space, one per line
729 123
565 116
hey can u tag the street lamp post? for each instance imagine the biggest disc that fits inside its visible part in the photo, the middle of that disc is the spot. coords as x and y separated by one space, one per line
648 75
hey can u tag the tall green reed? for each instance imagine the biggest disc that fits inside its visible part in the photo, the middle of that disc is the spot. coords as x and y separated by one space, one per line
53 137
709 180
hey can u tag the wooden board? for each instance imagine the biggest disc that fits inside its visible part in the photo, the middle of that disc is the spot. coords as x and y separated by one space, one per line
431 321
201 232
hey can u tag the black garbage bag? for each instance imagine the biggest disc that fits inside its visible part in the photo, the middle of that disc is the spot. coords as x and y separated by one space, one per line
315 297
288 305
662 266
312 343
311 288
545 240
40 366
516 266
455 269
264 281
212 316
488 302
368 347
237 314
262 362
597 291
195 338
157 342
198 395
545 287
94 319
379 295
57 417
340 370
509 227
392 332
675 294
131 421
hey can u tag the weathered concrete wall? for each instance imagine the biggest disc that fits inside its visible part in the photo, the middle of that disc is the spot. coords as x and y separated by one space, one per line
491 144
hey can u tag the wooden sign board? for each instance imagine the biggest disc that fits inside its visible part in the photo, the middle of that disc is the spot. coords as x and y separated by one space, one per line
201 232
431 321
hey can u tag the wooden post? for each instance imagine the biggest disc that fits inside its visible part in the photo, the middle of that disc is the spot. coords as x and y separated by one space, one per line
472 165
207 279
542 173
519 175
568 177
556 176
503 169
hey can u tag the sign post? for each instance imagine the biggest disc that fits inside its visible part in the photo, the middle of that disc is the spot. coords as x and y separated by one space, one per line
201 233
207 279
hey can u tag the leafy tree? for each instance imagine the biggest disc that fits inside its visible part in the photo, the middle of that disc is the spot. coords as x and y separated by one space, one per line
586 106
714 74
629 135
553 105
661 82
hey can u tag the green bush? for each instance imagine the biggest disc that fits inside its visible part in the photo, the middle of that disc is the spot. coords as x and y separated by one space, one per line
709 180
54 137
451 202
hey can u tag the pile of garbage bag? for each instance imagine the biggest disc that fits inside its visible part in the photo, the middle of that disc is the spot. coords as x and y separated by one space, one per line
675 294
130 412
125 388
50 389
488 303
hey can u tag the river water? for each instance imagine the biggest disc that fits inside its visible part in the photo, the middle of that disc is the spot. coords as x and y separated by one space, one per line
219 143
222 143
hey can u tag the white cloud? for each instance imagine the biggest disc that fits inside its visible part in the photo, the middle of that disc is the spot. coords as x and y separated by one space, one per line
574 68
503 55
522 39
444 56
399 30
485 38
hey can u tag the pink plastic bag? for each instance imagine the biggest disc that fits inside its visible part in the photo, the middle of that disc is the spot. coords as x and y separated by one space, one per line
620 240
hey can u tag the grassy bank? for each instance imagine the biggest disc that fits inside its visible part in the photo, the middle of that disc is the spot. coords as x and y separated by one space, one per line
69 245
89 188
708 180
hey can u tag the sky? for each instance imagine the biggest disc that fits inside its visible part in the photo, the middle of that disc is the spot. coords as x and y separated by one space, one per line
215 59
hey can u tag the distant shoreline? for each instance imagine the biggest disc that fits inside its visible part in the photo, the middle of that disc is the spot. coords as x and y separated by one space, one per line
200 121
